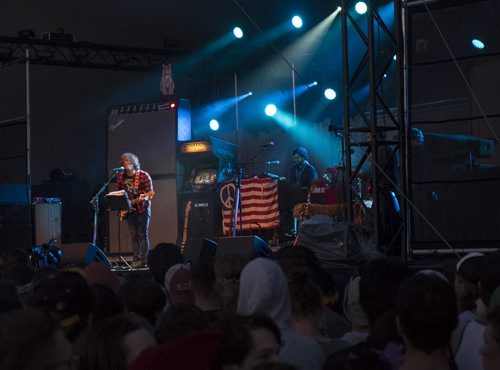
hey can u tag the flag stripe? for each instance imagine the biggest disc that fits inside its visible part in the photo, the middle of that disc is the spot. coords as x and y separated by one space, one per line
259 206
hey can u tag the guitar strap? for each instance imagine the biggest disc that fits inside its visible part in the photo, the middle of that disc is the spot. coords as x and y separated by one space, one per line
136 180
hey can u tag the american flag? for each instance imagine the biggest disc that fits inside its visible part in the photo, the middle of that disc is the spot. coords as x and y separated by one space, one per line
259 205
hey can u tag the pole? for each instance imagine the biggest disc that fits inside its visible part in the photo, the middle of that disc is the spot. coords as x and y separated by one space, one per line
294 97
28 126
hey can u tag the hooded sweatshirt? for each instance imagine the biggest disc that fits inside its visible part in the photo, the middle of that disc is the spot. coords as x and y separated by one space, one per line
264 290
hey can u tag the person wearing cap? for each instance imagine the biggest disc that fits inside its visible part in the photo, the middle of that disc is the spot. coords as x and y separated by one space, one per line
302 172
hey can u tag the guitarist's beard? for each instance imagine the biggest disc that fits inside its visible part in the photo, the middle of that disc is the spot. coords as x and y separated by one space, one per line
130 169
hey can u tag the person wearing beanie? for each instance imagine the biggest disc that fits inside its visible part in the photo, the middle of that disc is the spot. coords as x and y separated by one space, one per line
302 172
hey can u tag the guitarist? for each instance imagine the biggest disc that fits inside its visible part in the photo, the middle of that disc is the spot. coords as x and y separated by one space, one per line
139 187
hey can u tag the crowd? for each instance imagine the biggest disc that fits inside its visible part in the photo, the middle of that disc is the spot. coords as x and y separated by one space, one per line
229 313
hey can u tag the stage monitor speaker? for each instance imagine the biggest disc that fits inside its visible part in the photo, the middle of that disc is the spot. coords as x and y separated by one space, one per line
250 246
196 248
83 252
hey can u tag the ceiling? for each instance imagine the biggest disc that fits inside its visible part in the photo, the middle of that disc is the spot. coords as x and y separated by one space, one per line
149 22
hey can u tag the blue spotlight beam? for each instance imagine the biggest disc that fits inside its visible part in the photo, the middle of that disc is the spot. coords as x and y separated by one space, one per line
220 107
324 24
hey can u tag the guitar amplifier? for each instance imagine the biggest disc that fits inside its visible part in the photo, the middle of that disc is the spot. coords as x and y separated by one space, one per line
47 222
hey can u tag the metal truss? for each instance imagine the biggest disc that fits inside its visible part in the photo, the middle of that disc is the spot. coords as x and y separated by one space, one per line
82 54
369 45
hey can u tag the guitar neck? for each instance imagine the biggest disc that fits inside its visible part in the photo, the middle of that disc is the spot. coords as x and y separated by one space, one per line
185 229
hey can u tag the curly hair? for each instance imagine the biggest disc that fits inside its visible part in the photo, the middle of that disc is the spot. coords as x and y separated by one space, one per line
132 158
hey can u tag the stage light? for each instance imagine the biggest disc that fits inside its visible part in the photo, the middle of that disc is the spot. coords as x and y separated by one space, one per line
214 125
250 93
339 8
270 110
478 44
172 105
385 75
314 83
237 32
395 57
361 7
297 21
330 94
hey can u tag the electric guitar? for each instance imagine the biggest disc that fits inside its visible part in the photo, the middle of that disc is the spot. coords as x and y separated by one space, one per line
133 202
186 221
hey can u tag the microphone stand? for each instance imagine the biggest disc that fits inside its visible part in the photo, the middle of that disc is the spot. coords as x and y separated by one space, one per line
95 204
237 197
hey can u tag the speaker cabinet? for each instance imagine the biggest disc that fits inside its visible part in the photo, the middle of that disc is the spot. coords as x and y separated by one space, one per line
464 212
47 222
83 253
76 217
250 246
204 218
196 248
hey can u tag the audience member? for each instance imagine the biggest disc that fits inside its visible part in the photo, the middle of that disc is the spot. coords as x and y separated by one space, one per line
106 303
426 316
467 355
227 268
264 290
358 357
332 324
274 366
379 284
31 340
144 297
197 351
384 337
178 285
180 319
307 306
203 286
68 295
248 341
12 256
353 311
8 289
161 258
467 291
98 273
490 350
22 276
114 343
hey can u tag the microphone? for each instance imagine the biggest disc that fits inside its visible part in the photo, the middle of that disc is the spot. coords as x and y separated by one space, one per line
272 162
117 169
267 145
